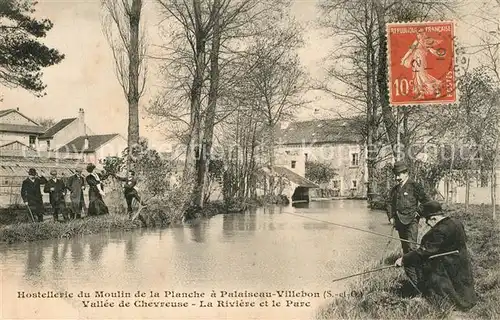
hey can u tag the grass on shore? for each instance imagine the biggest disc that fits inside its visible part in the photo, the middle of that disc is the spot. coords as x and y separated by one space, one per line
24 232
383 293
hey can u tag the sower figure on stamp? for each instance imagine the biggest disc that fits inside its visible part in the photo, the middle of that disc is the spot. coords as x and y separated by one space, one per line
76 185
32 194
130 190
403 210
57 190
443 260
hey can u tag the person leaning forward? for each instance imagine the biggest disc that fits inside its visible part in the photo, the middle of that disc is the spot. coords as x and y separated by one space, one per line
404 203
446 278
32 194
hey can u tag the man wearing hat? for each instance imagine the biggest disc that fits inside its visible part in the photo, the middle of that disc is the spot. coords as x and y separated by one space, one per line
403 210
32 194
443 261
57 190
76 185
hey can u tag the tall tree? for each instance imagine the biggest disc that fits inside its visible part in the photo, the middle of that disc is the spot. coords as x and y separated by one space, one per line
22 56
206 37
122 27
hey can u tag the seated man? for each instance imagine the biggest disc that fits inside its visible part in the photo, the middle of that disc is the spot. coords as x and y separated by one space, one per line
444 275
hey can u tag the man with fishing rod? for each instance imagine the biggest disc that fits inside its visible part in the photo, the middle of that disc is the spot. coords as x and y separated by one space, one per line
443 260
31 194
405 198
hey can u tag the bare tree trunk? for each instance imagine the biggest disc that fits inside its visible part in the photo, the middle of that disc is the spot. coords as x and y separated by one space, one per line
388 117
196 89
208 130
124 37
133 73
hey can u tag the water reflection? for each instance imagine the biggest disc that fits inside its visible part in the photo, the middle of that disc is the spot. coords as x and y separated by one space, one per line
77 251
130 246
227 251
96 248
34 261
199 231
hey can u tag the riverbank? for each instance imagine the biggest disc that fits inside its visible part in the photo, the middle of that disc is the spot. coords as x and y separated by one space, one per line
157 214
383 292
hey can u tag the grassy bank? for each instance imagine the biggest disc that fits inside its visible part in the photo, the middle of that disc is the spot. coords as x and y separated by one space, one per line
49 229
383 296
160 212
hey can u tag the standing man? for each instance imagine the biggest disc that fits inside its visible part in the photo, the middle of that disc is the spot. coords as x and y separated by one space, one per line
130 191
76 185
32 194
403 211
57 190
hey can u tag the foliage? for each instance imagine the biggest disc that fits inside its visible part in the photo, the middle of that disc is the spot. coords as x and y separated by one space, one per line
149 167
22 56
46 123
113 165
320 172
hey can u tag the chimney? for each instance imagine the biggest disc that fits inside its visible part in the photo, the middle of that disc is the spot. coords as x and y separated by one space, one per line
81 123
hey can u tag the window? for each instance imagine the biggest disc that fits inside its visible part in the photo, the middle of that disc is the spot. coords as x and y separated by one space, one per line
305 154
293 164
354 159
48 144
354 184
32 140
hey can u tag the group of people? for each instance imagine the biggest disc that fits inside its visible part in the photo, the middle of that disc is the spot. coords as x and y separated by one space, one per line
439 266
58 188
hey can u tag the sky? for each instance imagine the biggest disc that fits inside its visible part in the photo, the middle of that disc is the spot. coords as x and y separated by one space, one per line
85 78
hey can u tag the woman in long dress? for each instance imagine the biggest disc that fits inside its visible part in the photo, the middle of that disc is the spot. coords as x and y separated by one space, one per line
96 192
416 59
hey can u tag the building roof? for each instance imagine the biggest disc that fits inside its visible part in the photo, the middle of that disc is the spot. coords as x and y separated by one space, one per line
56 128
321 131
21 128
295 178
15 142
6 111
19 166
95 142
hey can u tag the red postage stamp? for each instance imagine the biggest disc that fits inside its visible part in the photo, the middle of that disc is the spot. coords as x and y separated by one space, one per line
421 62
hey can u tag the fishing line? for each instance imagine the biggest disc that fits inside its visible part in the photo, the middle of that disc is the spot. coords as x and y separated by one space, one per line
349 227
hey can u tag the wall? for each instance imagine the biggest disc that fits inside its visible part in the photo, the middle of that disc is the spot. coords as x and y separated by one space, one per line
10 136
112 148
477 194
338 156
65 136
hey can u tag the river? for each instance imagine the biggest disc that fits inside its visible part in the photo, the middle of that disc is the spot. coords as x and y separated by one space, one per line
264 250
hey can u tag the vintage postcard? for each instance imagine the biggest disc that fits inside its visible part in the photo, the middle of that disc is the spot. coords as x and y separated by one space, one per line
249 159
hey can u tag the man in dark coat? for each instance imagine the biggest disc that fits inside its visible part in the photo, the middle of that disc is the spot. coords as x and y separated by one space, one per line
404 203
445 278
32 194
57 190
76 185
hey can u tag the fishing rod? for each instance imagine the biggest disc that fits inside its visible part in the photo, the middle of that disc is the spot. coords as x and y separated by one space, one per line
364 272
394 266
354 228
